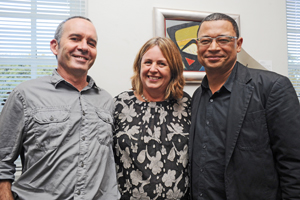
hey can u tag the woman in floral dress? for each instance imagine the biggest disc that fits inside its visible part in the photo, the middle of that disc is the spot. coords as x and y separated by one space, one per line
152 126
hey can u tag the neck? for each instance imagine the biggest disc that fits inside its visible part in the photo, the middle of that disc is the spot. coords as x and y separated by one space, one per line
79 82
153 96
217 78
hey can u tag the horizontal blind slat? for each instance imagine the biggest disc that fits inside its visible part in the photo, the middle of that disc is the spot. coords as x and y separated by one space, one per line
293 42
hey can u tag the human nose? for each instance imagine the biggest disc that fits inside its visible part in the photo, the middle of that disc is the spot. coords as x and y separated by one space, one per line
214 45
153 67
83 45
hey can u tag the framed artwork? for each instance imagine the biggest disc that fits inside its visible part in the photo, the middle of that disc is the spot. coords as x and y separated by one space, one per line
181 27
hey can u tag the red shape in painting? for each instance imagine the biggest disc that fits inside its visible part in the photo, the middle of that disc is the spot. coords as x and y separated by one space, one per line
190 61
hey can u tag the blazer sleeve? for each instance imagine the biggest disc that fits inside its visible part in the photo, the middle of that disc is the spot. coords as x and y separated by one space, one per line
283 119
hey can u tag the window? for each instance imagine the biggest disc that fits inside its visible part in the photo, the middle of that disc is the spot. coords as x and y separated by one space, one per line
26 29
293 41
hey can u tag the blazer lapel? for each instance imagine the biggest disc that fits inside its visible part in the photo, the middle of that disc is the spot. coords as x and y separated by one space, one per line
239 101
195 104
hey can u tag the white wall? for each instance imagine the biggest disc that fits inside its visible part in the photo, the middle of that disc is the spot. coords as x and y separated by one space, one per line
124 26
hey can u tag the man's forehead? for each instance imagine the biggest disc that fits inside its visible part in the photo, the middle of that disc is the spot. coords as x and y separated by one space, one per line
212 23
79 26
216 24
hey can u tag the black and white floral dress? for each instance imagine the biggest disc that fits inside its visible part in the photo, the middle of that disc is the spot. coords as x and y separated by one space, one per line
151 147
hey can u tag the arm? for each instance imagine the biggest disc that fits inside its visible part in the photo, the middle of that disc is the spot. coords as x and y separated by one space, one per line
12 124
5 191
283 119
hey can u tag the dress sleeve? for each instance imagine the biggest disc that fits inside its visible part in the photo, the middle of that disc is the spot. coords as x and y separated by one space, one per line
283 119
12 122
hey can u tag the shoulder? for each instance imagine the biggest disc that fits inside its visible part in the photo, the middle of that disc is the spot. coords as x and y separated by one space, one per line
267 80
186 98
186 95
269 86
33 83
124 100
257 75
260 79
124 95
32 87
105 94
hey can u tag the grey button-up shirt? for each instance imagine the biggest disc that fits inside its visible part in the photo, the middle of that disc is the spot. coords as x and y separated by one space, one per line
64 138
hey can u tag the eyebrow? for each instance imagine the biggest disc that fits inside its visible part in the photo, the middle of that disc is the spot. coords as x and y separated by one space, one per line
217 36
157 60
78 35
74 34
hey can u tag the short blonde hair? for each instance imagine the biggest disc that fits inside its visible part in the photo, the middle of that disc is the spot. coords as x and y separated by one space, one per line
171 53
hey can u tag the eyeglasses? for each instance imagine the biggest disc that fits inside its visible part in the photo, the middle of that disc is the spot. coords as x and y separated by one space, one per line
221 40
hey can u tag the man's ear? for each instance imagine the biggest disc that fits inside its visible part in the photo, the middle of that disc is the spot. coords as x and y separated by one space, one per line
54 46
239 43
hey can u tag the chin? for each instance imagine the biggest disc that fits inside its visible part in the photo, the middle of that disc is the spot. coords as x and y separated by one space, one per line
81 67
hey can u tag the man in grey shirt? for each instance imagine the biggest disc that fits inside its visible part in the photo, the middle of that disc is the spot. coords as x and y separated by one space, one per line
61 126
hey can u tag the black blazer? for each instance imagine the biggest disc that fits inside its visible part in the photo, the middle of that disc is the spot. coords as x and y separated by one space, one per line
262 156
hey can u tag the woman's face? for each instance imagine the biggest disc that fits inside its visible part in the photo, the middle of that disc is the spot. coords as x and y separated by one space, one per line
155 71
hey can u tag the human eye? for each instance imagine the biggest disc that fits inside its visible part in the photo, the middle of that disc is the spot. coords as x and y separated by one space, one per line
162 64
74 38
92 44
147 62
223 40
205 40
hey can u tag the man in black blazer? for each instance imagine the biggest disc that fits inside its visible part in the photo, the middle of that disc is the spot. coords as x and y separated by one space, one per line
245 132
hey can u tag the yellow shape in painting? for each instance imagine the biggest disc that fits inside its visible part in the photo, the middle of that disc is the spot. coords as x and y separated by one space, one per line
184 35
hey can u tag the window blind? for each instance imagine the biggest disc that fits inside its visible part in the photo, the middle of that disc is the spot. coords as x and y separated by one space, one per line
26 29
293 42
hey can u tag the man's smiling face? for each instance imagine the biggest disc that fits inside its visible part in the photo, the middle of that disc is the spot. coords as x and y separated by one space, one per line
76 52
215 56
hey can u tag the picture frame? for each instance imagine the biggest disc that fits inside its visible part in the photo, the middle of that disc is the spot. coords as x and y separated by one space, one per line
164 16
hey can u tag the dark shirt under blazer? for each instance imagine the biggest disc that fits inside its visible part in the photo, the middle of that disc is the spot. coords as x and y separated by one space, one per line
210 136
262 151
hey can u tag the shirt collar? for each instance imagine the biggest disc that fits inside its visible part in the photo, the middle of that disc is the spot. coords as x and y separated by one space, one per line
204 83
57 79
228 84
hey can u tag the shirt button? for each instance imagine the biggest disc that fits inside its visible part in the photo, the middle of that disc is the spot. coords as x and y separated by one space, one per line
201 170
211 100
204 146
201 195
81 164
207 122
78 192
83 113
83 138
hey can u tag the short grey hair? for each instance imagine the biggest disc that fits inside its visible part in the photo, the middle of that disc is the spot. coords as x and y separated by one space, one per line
59 29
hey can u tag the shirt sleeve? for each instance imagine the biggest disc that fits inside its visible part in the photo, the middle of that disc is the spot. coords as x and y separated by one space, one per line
283 119
12 123
110 177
